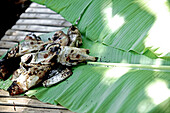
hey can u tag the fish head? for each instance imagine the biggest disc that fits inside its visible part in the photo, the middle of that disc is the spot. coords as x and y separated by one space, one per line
75 36
61 38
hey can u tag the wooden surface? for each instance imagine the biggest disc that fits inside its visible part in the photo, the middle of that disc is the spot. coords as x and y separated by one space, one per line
24 104
39 20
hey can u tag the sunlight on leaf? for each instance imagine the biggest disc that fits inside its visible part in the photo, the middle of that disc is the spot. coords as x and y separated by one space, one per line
156 95
153 6
111 75
124 61
145 106
158 38
113 22
158 62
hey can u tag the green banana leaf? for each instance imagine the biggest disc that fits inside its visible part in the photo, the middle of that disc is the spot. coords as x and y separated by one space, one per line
133 83
132 74
129 25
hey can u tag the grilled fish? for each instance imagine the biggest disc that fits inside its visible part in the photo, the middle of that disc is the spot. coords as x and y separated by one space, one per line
72 56
26 77
61 38
13 56
57 74
44 62
75 36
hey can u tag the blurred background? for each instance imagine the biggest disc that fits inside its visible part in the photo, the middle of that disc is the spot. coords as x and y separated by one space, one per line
10 12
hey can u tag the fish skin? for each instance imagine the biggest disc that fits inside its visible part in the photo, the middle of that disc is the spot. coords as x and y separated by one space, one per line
72 56
29 46
61 38
69 56
38 58
28 76
31 74
57 77
75 36
13 56
32 36
33 44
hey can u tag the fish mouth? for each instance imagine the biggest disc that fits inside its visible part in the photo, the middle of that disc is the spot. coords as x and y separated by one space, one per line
15 89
